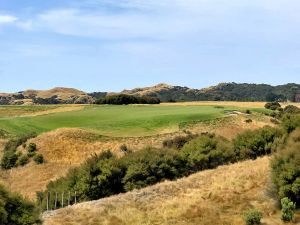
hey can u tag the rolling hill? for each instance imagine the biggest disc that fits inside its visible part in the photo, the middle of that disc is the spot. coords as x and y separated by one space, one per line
165 92
58 95
221 92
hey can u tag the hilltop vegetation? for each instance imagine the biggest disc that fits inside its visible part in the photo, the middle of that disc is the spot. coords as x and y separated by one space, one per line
164 92
221 92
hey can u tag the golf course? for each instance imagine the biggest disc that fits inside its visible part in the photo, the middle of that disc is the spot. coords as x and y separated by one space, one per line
117 121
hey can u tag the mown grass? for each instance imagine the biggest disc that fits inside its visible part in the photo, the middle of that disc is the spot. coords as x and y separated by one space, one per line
129 120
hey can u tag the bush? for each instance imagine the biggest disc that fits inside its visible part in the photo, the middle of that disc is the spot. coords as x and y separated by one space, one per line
9 160
248 121
23 160
290 122
150 166
14 210
291 109
286 169
39 159
253 217
273 106
31 148
288 210
177 142
255 143
206 152
248 111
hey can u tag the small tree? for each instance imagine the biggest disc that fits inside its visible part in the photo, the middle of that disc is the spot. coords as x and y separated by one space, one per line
39 159
31 148
253 217
288 209
23 160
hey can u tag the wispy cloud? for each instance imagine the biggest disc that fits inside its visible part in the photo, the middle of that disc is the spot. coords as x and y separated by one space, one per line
7 19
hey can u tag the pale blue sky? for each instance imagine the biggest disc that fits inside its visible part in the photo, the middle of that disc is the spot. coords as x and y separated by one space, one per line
108 45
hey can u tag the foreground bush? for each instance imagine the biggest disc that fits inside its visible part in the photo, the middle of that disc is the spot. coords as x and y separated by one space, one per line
14 210
286 169
206 152
253 217
255 143
288 209
291 122
151 166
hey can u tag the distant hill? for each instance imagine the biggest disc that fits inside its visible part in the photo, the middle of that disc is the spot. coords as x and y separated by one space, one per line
166 93
58 95
221 92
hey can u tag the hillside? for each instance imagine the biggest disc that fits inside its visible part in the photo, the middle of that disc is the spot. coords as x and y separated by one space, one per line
221 92
58 95
214 197
166 93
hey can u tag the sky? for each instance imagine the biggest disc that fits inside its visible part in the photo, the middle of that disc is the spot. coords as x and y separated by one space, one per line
110 45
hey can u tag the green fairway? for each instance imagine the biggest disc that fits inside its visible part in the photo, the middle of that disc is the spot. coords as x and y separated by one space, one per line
123 121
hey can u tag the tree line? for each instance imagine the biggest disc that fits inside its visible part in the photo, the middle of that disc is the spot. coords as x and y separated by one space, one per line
122 99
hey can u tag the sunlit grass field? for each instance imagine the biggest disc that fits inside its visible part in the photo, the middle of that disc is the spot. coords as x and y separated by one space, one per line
131 120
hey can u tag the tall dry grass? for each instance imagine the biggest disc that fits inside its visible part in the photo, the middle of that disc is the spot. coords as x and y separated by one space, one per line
214 197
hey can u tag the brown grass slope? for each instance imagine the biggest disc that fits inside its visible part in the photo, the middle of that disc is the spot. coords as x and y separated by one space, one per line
62 93
213 197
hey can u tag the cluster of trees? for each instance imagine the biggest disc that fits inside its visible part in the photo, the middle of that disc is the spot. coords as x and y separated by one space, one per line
15 210
123 99
11 158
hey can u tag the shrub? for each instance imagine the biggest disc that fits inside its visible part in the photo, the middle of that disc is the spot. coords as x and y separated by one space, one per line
255 143
39 159
248 121
286 169
288 209
206 152
248 111
177 142
10 157
273 106
291 122
253 217
31 148
23 160
9 160
15 210
291 109
150 166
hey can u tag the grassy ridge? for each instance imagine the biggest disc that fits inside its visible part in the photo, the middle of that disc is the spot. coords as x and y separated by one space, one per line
129 120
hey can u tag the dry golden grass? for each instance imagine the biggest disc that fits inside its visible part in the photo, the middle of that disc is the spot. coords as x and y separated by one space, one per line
213 197
61 92
62 108
229 127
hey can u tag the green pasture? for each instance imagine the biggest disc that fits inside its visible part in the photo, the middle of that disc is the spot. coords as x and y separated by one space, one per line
131 120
